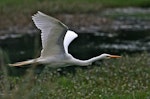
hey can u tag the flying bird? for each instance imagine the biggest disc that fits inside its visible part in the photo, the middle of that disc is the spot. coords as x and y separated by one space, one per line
56 38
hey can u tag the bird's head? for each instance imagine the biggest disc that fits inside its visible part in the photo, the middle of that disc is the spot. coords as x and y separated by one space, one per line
107 56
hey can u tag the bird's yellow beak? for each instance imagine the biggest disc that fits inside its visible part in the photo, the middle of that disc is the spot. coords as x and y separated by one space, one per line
114 56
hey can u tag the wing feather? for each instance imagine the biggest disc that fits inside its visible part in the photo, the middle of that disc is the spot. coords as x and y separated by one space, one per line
69 37
53 33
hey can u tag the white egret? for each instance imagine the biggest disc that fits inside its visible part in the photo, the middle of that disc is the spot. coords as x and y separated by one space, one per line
56 38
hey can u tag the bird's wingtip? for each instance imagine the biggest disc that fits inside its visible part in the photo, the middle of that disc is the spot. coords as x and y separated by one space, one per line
41 13
38 13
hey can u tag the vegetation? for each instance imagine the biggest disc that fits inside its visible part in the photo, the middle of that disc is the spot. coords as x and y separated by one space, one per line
125 78
69 6
18 12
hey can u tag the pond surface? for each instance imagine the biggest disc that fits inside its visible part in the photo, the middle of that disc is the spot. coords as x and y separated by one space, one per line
22 47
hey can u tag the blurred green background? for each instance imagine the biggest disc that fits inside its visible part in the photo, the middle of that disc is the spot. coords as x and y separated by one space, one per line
125 78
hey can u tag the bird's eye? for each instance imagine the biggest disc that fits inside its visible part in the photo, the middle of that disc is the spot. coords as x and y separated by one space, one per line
107 56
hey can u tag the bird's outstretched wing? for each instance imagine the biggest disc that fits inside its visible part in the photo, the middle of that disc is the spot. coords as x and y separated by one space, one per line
69 37
53 33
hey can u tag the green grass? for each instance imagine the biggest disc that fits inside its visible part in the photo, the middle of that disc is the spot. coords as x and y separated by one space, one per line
69 6
14 12
125 78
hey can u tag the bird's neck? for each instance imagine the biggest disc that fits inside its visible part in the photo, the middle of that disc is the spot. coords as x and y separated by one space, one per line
87 62
91 60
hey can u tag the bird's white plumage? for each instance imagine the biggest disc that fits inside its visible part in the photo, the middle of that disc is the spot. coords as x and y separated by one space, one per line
55 41
53 32
69 37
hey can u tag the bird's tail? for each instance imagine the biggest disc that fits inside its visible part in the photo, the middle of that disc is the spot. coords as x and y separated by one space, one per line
19 64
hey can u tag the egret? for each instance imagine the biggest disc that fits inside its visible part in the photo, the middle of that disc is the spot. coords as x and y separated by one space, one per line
56 38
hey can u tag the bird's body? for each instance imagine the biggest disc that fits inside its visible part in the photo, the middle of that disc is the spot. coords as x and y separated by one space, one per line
56 38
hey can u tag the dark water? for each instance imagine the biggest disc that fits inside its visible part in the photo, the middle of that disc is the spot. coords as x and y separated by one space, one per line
87 45
22 47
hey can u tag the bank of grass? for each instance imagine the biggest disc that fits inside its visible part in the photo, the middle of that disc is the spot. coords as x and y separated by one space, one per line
67 6
124 78
18 12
